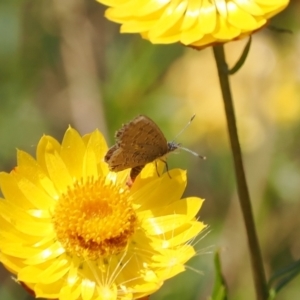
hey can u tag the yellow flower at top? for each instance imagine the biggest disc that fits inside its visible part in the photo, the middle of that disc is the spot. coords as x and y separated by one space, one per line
71 229
192 22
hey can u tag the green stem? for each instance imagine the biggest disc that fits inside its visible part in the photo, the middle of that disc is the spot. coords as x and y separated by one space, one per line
244 198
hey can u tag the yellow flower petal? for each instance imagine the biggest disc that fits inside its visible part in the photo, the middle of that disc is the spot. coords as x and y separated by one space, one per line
71 229
241 19
182 234
163 190
87 289
191 14
48 253
47 290
93 163
225 30
55 271
58 171
192 22
73 159
250 6
27 166
207 17
32 192
221 6
49 143
172 14
11 191
170 263
12 264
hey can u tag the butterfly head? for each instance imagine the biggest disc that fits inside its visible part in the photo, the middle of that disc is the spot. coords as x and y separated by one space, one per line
172 146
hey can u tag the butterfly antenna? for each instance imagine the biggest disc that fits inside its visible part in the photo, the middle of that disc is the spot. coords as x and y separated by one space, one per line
185 127
192 152
183 148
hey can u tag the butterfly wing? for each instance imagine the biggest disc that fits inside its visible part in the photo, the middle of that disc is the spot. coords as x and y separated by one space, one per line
119 159
137 143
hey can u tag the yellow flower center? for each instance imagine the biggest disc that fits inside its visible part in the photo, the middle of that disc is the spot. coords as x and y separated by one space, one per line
94 219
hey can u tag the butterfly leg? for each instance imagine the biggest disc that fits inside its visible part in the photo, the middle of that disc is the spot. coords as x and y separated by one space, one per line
156 169
167 167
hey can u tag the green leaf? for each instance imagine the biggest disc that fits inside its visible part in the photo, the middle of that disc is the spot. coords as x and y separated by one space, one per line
282 277
272 294
242 59
219 289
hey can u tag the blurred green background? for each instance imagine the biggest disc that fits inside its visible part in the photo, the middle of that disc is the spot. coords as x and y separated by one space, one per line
62 62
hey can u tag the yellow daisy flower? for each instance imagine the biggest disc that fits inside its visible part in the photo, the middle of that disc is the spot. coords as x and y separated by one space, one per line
192 22
71 229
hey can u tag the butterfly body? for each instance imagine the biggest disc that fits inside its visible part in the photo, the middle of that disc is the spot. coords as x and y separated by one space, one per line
138 142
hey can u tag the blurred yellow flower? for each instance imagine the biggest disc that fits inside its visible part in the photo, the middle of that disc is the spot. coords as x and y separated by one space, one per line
192 22
70 229
266 95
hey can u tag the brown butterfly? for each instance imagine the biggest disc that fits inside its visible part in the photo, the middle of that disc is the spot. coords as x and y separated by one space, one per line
137 143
